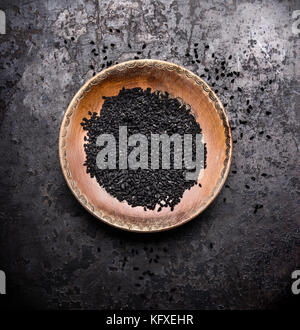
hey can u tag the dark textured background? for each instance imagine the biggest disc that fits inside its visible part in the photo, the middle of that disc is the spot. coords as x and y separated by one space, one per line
240 252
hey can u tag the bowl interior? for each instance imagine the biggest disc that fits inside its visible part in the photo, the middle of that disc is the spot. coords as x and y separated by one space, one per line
161 76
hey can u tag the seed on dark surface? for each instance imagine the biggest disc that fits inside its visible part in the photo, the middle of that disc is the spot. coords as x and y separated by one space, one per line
207 46
144 112
257 207
144 46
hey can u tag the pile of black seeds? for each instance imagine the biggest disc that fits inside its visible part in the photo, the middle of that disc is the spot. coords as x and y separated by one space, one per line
144 112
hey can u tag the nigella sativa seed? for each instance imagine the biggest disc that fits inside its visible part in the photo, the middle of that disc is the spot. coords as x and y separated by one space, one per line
143 113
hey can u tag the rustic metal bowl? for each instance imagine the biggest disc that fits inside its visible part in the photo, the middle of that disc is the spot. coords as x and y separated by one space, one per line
158 75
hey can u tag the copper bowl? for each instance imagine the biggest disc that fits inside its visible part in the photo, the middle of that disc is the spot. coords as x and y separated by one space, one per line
158 75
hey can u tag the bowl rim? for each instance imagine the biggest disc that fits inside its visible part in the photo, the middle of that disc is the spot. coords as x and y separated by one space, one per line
159 64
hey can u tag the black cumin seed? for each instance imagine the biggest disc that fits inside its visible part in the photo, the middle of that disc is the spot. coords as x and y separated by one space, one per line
131 107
